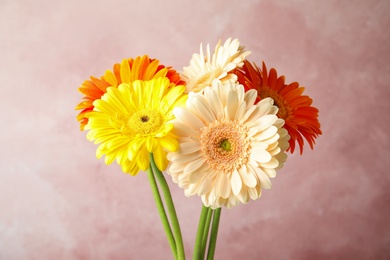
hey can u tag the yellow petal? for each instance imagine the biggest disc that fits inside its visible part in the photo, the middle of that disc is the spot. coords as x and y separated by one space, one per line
125 71
169 143
110 78
142 159
150 144
160 158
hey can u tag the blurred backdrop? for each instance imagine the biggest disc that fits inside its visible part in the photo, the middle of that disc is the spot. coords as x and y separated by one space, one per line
57 201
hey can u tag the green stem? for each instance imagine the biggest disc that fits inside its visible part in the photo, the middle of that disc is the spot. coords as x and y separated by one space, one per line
161 212
214 234
199 235
171 209
206 232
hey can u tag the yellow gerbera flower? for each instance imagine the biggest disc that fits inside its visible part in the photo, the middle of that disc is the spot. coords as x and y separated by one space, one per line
204 69
229 146
132 120
140 68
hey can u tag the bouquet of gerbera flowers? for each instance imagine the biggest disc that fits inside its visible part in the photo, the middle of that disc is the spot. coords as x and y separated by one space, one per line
221 129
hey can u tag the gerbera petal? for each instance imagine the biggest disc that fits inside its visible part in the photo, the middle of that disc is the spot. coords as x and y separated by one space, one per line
207 184
194 166
261 156
142 158
232 105
189 147
160 158
247 177
169 143
202 108
236 182
125 71
265 122
264 179
188 118
183 129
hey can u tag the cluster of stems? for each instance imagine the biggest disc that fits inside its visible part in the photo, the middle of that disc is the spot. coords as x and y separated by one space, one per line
208 222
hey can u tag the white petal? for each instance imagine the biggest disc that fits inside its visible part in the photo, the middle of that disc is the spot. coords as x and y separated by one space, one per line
182 130
274 151
247 177
243 195
207 184
188 118
255 193
266 121
273 163
270 172
265 182
195 165
236 182
265 104
197 176
250 96
259 146
261 156
216 105
240 112
272 139
267 133
223 184
203 109
184 158
189 147
232 104
175 168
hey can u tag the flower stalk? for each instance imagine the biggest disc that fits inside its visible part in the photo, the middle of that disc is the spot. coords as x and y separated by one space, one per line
204 234
197 254
161 212
214 234
180 254
206 231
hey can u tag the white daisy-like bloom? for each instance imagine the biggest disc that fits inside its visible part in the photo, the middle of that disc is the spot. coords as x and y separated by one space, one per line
204 69
230 147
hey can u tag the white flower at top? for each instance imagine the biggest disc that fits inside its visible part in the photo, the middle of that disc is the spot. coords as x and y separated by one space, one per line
229 147
204 69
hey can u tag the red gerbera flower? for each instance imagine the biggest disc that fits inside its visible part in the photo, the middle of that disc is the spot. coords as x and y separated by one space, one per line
301 119
140 68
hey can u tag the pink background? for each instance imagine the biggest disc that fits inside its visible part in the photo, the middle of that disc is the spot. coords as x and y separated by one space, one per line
59 202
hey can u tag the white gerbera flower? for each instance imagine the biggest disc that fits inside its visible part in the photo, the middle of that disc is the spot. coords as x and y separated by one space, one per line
229 147
204 69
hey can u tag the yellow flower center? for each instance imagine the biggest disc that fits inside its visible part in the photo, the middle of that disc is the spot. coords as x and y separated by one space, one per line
225 145
284 110
145 122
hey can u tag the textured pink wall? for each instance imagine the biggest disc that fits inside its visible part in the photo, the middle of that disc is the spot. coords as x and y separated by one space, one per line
59 202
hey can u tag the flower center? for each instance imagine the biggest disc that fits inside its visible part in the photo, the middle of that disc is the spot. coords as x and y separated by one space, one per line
225 145
145 122
205 80
284 110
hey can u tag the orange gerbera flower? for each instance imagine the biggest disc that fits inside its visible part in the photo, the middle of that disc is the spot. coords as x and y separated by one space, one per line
140 68
301 119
